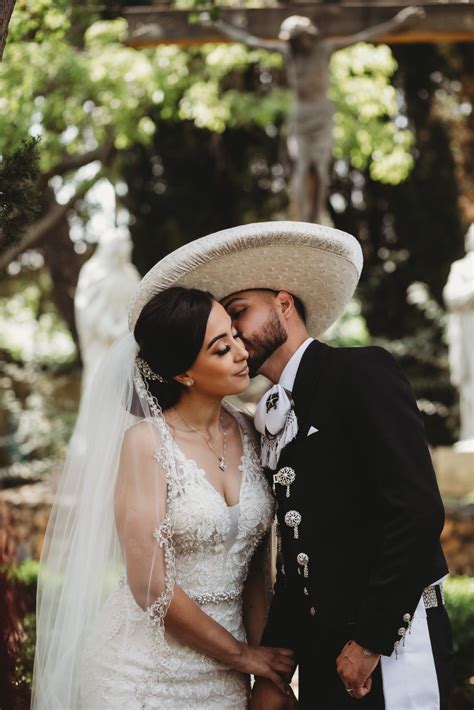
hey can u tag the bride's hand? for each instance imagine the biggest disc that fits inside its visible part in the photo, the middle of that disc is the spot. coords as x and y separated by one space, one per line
266 662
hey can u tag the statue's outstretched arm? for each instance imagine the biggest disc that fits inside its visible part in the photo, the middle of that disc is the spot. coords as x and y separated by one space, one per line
248 39
406 15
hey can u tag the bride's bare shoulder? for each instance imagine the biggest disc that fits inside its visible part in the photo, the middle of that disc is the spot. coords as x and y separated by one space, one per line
143 435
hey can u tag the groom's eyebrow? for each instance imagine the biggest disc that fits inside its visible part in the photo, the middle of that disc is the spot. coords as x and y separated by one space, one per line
233 300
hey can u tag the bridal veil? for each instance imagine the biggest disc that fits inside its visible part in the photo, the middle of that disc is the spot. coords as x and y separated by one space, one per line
108 491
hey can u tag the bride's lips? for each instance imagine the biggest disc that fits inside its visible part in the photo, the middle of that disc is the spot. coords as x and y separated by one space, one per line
243 373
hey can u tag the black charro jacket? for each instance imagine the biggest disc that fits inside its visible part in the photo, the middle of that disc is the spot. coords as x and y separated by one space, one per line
371 512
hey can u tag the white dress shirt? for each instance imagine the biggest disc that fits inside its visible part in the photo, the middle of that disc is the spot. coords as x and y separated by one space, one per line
288 376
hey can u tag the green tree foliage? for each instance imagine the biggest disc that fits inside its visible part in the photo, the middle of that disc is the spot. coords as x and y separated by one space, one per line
84 94
411 233
460 607
77 99
365 99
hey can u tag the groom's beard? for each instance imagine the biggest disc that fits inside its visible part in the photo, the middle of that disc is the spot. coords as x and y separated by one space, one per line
264 344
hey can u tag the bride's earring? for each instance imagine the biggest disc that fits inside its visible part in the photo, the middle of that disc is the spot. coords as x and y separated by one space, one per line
189 383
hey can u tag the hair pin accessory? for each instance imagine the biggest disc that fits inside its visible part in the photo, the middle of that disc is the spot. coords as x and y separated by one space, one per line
147 372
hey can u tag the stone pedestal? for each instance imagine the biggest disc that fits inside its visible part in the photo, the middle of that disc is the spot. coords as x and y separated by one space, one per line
458 538
454 471
455 474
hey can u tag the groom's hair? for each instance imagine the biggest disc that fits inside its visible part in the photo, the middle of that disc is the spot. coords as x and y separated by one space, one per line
300 309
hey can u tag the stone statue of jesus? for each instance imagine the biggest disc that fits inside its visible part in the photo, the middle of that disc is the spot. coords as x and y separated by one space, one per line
307 56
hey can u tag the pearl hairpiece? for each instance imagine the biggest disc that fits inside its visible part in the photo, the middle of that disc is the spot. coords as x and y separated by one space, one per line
147 372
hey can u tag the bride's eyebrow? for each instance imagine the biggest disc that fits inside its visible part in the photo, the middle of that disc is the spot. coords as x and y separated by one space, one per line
218 337
215 339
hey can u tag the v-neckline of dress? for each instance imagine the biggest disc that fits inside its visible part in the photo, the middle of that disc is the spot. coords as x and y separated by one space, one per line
201 470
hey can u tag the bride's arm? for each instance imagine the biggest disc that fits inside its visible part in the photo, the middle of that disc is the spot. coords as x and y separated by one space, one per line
140 509
187 622
256 595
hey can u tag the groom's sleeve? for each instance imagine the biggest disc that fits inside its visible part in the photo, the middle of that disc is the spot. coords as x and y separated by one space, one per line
388 437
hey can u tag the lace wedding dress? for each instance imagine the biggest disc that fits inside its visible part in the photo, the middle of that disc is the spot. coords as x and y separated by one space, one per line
130 662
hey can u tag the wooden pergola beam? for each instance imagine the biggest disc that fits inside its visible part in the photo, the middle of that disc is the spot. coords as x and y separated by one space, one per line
451 21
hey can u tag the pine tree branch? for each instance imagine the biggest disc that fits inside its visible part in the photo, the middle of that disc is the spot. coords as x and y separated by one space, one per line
19 192
43 226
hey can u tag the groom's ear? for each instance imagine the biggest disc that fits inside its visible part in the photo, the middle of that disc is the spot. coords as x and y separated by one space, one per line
286 302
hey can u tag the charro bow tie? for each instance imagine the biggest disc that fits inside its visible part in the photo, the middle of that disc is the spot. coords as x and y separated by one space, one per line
276 421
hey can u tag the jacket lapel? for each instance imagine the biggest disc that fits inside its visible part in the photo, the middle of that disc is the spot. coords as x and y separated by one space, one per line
309 373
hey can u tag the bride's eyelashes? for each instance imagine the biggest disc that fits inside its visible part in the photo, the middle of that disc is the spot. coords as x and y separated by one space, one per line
226 349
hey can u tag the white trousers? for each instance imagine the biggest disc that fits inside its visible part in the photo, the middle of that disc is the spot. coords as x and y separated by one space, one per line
410 681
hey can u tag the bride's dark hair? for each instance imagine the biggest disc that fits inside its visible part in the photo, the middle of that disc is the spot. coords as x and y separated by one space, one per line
170 332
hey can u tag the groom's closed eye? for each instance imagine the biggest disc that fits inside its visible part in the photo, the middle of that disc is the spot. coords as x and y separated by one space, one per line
235 315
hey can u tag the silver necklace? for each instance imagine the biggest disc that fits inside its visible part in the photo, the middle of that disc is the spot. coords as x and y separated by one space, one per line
220 459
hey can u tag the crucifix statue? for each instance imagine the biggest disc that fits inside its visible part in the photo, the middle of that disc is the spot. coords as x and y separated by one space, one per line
307 56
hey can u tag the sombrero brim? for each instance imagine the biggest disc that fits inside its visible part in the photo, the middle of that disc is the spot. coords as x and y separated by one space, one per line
320 265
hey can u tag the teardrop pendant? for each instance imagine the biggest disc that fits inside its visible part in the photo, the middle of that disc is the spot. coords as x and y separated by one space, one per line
222 464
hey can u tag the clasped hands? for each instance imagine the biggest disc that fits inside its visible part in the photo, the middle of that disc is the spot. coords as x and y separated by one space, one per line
355 666
275 693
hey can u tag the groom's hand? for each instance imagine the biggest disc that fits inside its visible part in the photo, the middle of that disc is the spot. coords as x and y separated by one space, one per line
355 666
266 696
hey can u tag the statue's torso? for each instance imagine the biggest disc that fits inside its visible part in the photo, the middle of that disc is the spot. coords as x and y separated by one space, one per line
309 76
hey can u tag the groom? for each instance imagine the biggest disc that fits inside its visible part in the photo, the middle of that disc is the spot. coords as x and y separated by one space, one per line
358 594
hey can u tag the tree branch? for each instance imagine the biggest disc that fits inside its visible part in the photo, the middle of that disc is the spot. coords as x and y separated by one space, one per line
6 9
43 226
73 162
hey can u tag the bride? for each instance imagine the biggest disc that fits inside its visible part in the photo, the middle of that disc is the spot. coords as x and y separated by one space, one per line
152 588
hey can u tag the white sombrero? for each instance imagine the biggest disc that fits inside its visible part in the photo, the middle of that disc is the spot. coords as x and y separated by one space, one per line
320 265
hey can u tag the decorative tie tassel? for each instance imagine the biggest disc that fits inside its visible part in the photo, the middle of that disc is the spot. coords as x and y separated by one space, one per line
276 421
272 446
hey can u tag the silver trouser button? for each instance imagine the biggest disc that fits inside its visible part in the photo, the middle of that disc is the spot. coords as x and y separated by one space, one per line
312 611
